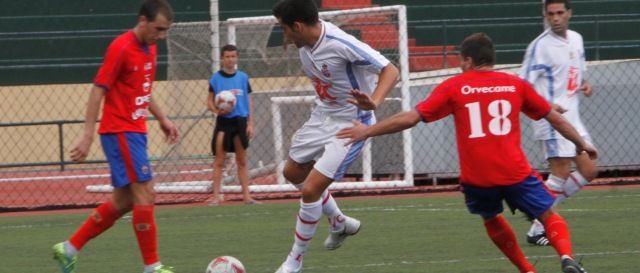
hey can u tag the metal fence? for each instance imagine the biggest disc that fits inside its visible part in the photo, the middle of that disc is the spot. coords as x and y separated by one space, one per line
39 122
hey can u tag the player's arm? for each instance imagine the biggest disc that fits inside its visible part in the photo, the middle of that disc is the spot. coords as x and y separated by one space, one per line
569 132
211 102
386 81
250 117
168 128
80 151
393 124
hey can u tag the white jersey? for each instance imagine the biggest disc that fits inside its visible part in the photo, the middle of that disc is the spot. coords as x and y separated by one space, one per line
555 66
336 64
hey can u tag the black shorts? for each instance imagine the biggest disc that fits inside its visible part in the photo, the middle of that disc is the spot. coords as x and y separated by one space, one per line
231 127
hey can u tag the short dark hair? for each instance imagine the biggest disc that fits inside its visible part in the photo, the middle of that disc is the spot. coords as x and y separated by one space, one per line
480 48
567 3
290 11
151 8
226 48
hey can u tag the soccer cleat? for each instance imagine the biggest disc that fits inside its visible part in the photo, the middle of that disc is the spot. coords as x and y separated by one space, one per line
282 269
336 237
163 269
539 240
67 264
571 266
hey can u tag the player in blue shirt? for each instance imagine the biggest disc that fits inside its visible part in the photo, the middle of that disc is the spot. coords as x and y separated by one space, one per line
234 127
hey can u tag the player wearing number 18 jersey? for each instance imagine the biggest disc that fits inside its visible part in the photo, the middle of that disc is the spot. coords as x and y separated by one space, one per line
486 106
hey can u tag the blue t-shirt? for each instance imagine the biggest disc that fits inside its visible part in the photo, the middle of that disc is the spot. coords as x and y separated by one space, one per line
238 84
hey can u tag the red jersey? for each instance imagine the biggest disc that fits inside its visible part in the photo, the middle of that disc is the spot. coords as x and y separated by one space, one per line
127 74
486 106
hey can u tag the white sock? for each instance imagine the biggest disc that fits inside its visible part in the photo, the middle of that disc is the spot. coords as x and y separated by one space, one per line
152 267
306 224
574 183
536 228
556 184
69 249
332 211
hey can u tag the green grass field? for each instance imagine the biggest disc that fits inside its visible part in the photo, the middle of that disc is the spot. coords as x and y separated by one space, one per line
433 233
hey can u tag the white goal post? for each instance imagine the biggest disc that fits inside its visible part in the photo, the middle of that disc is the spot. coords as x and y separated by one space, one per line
403 52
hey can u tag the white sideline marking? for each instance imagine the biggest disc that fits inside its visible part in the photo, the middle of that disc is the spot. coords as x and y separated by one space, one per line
455 261
85 176
420 208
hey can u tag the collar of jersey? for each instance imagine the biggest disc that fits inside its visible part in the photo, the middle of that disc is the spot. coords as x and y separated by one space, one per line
322 35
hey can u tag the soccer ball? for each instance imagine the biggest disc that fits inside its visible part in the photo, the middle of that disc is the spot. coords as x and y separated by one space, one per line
225 100
225 264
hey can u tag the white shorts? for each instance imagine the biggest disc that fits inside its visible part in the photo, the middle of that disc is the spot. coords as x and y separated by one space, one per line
316 140
561 147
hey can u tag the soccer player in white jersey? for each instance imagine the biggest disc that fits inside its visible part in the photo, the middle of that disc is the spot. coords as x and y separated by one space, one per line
351 80
555 64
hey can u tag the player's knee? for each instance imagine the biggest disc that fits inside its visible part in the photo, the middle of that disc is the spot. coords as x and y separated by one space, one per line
241 162
310 195
589 174
218 164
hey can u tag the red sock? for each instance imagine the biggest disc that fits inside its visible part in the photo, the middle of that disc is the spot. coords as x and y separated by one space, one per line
144 225
502 235
558 234
100 220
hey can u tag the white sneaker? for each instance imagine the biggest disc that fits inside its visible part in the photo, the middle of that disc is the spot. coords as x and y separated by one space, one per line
336 237
282 269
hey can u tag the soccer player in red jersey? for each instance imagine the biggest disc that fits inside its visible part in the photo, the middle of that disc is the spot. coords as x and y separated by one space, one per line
125 81
486 105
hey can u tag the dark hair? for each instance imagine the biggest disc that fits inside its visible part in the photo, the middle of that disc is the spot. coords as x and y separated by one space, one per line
290 11
480 48
151 8
226 48
567 3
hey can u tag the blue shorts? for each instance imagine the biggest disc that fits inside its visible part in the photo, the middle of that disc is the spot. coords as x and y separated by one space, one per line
127 156
530 196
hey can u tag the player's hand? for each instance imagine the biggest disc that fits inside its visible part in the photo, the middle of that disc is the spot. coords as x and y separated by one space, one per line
222 112
558 108
81 149
586 88
250 131
362 100
356 133
589 149
170 131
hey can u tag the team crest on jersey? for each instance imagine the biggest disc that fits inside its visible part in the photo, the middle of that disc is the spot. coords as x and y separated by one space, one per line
325 71
148 66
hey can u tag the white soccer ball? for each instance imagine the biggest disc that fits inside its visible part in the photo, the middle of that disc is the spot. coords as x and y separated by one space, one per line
225 101
225 264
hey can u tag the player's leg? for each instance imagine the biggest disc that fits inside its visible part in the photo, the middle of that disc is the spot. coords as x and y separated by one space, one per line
308 216
585 173
143 197
105 215
560 239
487 202
558 155
243 172
218 166
100 220
535 200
